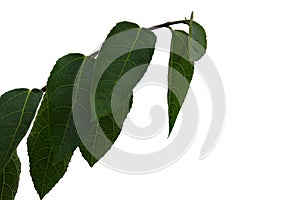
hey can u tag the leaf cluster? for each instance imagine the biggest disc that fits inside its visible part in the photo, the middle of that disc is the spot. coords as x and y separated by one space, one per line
75 108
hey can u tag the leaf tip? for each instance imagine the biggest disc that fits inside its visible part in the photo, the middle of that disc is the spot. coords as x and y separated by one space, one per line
192 16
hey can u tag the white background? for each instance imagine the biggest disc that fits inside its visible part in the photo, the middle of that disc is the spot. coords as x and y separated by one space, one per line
255 45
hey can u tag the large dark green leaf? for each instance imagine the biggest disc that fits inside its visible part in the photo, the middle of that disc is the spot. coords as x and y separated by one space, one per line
60 86
120 65
9 178
17 110
185 49
136 48
128 48
44 170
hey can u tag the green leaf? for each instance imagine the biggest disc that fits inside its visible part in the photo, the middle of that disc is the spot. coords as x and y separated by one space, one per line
179 76
44 170
127 48
197 40
9 178
17 110
136 48
64 138
185 49
121 63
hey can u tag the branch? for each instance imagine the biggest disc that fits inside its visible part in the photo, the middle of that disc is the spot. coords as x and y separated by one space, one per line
164 25
167 24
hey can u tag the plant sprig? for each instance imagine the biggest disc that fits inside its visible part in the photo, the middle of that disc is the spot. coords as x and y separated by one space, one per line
69 118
